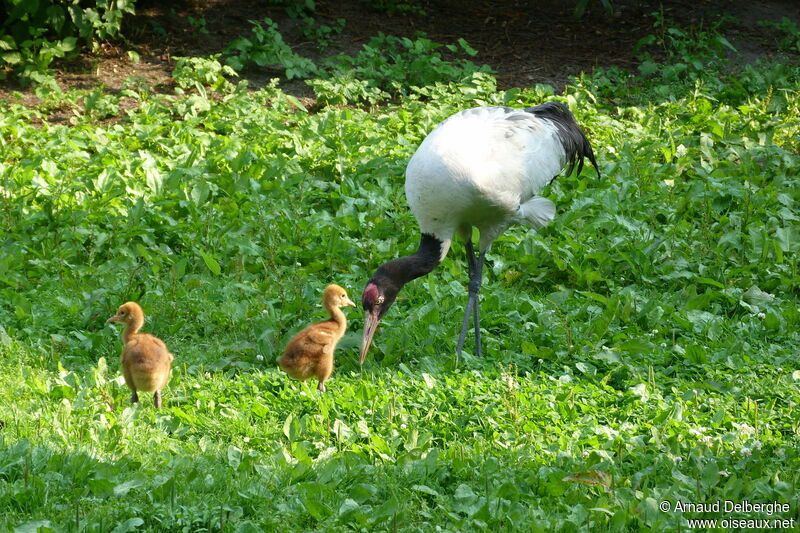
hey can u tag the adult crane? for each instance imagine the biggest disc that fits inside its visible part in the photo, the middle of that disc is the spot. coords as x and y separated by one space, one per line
481 167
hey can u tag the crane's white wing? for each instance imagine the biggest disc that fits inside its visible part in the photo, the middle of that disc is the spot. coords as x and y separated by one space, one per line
482 167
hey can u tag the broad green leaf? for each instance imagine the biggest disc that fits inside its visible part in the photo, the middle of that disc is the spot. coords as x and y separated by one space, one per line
211 263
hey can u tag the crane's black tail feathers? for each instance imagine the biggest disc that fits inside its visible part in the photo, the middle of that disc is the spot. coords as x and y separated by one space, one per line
575 143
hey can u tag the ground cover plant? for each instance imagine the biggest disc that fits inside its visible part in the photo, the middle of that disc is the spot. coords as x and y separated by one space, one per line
641 349
33 34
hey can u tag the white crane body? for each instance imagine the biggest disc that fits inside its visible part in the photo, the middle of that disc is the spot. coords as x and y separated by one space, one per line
483 167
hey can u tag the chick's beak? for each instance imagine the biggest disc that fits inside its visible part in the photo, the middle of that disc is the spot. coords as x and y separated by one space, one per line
348 301
371 321
112 319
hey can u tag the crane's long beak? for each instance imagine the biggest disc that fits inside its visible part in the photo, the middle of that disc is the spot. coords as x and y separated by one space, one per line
371 321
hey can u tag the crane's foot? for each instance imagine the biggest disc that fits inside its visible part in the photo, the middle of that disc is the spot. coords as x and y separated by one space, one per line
134 397
157 399
321 386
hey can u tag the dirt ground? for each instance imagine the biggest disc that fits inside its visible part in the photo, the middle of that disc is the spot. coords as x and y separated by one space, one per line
526 42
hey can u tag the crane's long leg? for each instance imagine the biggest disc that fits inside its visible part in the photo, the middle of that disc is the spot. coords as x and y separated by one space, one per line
475 272
476 317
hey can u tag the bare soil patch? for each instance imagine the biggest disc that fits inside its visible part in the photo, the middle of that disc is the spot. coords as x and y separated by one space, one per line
525 42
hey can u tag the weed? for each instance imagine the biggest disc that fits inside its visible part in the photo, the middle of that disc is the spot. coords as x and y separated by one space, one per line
787 32
266 48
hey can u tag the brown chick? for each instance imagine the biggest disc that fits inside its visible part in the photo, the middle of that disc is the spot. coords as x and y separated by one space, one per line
145 359
310 352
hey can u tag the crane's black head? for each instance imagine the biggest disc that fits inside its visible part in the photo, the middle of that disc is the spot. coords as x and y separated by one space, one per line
378 297
382 288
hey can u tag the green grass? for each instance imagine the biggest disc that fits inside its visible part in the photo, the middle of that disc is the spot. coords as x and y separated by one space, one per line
642 348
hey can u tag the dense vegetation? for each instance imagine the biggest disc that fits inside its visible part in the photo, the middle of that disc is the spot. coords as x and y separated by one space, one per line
35 33
642 348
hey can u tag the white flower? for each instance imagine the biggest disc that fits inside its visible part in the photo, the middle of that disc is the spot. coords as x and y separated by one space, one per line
264 311
697 431
511 382
663 344
724 473
678 459
761 315
260 357
746 452
541 361
302 393
586 453
368 412
744 429
402 426
756 444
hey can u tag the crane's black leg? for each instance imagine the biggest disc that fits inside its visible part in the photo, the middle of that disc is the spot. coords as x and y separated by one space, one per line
475 267
476 317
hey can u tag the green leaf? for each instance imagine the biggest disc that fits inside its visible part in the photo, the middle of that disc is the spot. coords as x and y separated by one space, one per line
35 526
12 58
425 490
712 282
727 43
122 489
648 68
131 524
200 193
347 507
68 44
312 504
342 431
211 263
636 346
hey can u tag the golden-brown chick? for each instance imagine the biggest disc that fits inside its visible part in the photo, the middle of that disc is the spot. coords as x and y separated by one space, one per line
145 359
310 352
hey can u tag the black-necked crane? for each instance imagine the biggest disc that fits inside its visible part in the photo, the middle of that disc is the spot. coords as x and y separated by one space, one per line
484 168
310 352
145 359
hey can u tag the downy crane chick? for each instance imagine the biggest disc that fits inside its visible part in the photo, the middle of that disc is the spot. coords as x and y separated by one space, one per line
310 352
145 359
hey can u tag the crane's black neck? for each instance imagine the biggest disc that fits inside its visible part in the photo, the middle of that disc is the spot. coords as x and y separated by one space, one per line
404 269
393 275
